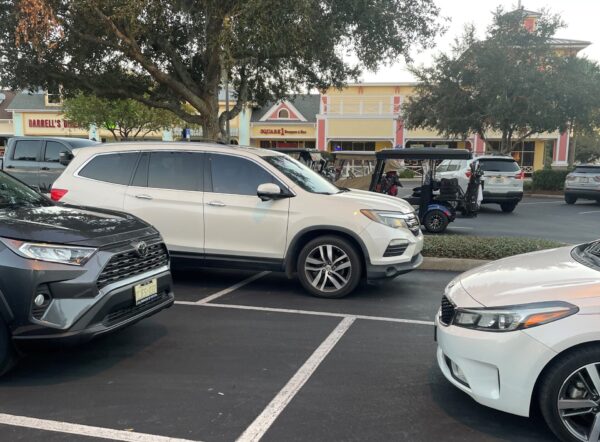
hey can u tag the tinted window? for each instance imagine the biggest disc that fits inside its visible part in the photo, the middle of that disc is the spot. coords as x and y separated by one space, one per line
587 169
27 150
140 178
499 166
301 175
175 170
237 176
53 151
115 168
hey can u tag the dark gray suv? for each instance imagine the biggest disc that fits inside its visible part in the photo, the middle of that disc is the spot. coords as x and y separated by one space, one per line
69 274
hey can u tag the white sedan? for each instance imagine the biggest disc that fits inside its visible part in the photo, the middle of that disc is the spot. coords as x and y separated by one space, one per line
524 332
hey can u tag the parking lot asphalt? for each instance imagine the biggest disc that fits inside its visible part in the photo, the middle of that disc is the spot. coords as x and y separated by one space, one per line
547 218
248 356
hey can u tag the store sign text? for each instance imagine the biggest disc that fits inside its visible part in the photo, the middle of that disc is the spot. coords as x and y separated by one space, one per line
282 131
50 124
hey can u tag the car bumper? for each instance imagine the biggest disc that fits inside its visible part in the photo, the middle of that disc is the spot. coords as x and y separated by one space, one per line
583 193
388 271
499 369
492 197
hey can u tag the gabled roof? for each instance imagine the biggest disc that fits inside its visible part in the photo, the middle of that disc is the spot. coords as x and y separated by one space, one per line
31 101
8 97
307 106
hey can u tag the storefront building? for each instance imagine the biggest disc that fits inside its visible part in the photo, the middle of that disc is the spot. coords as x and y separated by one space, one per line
286 124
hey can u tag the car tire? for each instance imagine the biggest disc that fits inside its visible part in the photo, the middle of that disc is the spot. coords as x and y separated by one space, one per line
329 267
508 207
570 199
562 382
435 221
8 356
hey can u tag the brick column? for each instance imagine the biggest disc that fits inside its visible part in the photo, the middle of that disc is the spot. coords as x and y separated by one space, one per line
560 156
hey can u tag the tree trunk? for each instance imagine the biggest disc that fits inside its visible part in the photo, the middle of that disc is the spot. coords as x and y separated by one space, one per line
210 127
573 146
505 144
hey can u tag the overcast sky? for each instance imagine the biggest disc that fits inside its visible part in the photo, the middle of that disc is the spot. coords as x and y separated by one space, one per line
582 18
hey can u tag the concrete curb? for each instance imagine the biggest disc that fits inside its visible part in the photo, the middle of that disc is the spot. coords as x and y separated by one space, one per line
451 264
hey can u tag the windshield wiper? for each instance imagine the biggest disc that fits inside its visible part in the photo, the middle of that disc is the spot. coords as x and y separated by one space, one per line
343 189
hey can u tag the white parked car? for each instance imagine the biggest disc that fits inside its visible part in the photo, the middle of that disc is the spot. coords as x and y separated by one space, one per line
249 208
524 332
502 178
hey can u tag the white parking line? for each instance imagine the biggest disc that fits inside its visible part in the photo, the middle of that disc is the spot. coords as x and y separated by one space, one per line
593 211
82 430
232 288
309 312
542 202
263 422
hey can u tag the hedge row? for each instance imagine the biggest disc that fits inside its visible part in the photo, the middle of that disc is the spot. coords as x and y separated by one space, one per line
549 179
481 247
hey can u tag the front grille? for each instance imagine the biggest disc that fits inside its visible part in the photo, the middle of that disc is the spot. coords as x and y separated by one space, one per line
395 250
447 311
127 264
413 224
123 314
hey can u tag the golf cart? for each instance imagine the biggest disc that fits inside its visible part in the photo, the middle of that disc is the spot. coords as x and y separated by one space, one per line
353 169
438 200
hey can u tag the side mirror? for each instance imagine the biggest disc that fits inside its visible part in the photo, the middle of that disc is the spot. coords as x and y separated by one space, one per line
269 191
65 158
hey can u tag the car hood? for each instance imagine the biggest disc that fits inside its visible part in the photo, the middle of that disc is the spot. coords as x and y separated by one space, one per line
550 275
67 224
376 201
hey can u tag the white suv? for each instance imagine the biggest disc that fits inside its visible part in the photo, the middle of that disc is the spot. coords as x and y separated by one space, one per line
249 208
502 178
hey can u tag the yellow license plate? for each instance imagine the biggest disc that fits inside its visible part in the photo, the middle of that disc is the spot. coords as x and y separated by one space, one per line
143 292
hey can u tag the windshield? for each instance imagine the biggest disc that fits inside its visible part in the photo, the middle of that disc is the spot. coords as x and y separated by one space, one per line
587 169
301 175
14 194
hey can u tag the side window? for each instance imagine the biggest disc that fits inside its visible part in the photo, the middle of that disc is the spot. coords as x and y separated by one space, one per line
140 179
176 170
237 176
27 150
53 151
115 168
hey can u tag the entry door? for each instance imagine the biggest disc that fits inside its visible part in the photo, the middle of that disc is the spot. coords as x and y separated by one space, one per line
166 192
50 167
24 163
237 223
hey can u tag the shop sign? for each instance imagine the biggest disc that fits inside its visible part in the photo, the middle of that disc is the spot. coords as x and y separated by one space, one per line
50 123
282 131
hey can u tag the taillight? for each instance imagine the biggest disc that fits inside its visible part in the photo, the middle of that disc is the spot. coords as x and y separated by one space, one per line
570 178
57 194
520 175
468 174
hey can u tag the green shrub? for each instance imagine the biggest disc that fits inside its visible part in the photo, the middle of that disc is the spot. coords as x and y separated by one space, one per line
528 185
481 247
549 179
406 174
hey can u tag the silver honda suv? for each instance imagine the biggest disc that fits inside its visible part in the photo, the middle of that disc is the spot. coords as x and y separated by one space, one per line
583 183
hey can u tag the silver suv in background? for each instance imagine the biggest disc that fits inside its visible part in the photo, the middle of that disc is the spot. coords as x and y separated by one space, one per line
502 178
583 183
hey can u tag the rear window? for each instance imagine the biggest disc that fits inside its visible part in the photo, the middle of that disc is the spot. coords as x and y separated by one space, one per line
115 168
450 166
499 165
587 169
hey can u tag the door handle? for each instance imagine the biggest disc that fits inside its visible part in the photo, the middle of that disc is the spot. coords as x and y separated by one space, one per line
143 197
216 204
10 167
45 168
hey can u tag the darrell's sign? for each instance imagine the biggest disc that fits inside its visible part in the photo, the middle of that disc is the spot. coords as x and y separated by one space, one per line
282 131
50 124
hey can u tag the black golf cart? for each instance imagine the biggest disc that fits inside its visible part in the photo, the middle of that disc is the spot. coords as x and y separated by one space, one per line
438 200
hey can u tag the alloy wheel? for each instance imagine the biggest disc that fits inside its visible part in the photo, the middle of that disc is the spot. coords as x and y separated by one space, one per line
579 403
328 268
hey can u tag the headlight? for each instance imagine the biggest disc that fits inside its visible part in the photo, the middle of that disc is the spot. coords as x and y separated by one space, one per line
515 317
396 220
51 252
